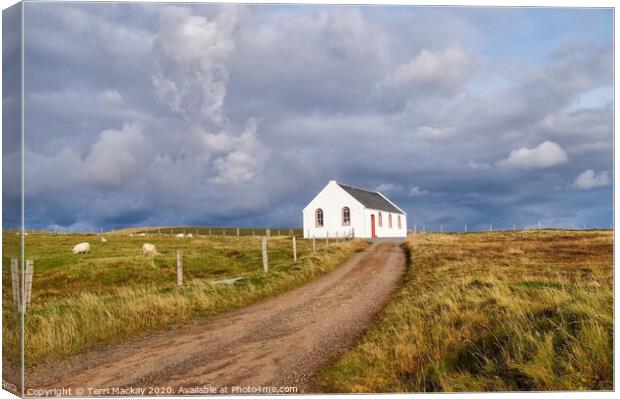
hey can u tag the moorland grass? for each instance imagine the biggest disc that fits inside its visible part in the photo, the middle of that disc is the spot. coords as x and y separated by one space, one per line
114 292
491 312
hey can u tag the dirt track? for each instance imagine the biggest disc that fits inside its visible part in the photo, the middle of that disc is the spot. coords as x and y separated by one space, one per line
282 341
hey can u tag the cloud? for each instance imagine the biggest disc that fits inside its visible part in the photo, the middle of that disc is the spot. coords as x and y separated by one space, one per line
545 155
389 188
442 72
212 114
190 62
417 192
588 179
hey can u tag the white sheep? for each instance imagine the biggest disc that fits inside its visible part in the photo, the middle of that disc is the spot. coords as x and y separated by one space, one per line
81 248
103 240
190 235
181 235
141 235
148 249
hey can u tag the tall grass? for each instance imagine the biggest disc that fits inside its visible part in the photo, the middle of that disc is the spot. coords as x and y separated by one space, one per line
113 293
491 312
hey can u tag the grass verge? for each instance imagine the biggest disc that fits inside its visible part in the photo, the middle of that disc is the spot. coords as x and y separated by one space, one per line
114 293
491 312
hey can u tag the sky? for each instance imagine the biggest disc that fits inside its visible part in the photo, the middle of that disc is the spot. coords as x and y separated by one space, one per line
237 115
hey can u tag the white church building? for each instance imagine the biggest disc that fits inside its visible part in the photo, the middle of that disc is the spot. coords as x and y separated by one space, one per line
339 210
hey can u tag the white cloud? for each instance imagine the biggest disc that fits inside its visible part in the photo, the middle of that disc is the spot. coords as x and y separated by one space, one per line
190 68
417 192
589 179
111 96
444 71
545 155
389 188
478 165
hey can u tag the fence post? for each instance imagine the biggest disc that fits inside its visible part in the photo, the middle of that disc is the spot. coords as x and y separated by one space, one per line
209 232
265 256
327 239
27 284
237 232
314 245
294 250
179 269
278 232
15 281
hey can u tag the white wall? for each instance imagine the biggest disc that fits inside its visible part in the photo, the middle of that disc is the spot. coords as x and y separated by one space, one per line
331 200
385 230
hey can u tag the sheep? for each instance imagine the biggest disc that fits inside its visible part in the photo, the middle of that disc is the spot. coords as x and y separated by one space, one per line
141 235
181 235
81 248
103 240
190 235
148 249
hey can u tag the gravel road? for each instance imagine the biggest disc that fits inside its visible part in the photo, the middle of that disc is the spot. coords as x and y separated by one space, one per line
279 342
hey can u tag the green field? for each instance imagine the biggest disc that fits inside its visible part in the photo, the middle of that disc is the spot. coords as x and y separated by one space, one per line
491 312
114 292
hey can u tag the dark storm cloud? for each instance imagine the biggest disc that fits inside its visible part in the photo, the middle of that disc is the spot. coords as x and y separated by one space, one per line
238 115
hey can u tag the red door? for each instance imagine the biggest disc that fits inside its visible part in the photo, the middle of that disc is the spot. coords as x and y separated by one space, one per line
372 226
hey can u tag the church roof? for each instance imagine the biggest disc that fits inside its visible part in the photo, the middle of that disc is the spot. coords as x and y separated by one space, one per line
371 199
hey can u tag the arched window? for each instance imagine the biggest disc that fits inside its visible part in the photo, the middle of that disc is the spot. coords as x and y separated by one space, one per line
380 220
346 216
390 220
400 226
319 217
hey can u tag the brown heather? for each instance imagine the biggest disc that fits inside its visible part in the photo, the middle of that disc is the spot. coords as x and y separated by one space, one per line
491 312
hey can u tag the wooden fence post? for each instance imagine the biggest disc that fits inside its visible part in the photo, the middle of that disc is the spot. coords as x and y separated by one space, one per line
265 256
314 245
237 232
179 269
327 239
15 281
27 284
209 232
294 250
223 232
